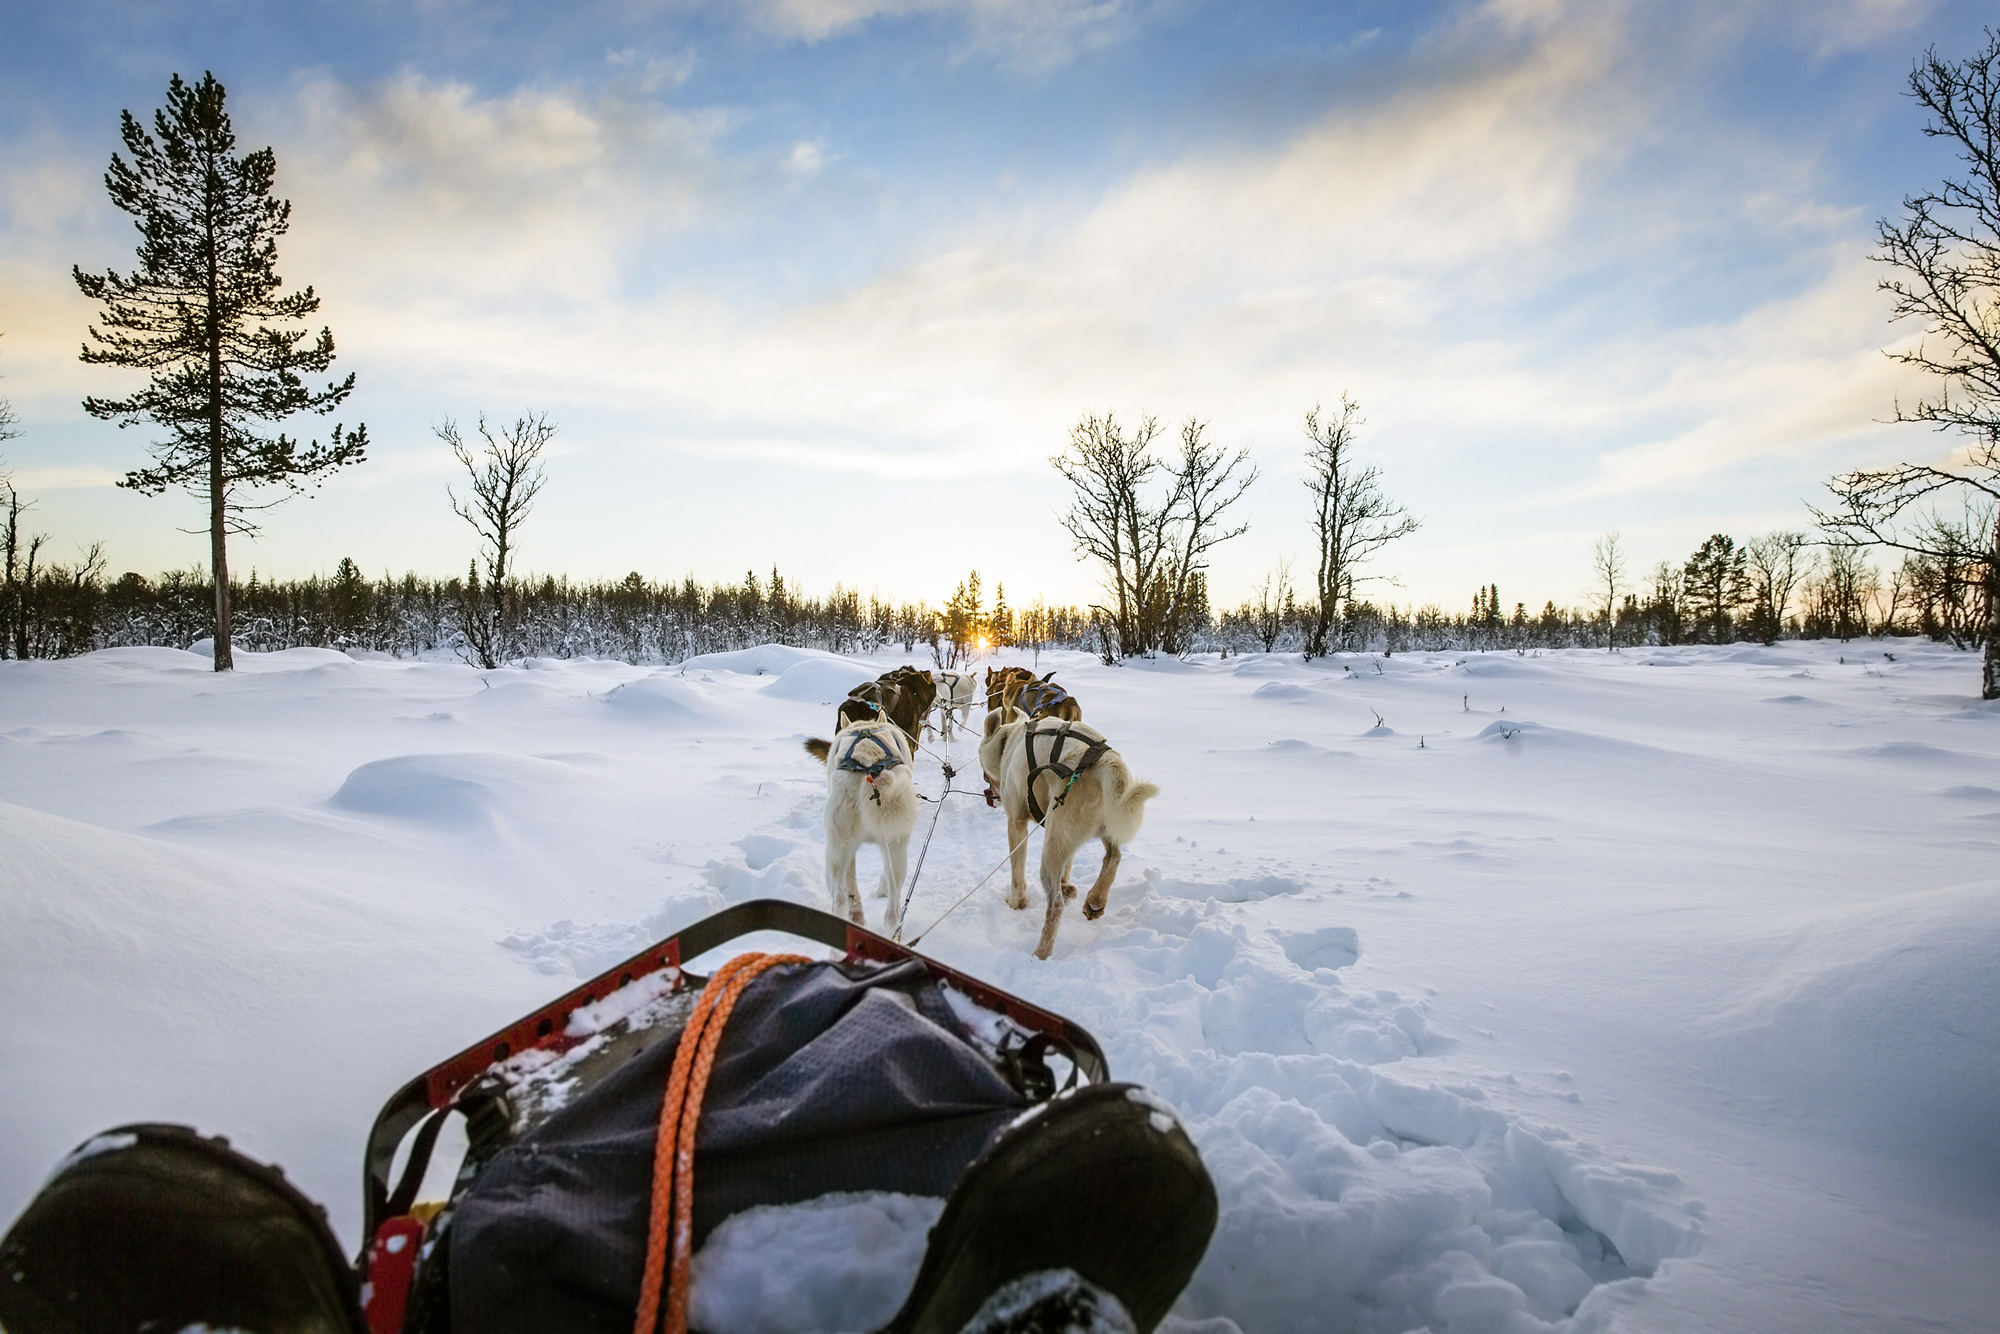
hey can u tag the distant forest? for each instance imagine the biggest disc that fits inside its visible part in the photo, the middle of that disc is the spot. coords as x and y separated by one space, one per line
62 610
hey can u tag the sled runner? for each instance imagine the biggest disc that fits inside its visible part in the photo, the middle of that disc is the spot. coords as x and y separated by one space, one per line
610 1132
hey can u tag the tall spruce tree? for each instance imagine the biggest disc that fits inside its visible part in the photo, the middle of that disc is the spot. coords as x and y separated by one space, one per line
1715 583
204 315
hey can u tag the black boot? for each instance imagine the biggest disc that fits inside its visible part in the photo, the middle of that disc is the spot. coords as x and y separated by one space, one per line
152 1227
1090 1213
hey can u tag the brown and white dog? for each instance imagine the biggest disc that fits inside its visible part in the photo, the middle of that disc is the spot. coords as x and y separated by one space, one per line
871 797
903 696
1067 776
1038 697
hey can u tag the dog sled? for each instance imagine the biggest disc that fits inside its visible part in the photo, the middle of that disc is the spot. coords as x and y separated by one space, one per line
612 1133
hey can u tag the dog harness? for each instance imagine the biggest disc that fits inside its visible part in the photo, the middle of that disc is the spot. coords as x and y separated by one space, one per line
1041 695
1058 736
853 763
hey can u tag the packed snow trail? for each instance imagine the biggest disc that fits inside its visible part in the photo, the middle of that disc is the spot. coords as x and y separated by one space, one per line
1657 990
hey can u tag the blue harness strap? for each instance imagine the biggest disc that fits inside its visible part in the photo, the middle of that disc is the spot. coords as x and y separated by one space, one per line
853 764
1041 695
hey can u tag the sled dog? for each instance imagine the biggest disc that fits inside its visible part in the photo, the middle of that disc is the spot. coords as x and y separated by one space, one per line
956 693
1065 776
1038 697
871 797
903 697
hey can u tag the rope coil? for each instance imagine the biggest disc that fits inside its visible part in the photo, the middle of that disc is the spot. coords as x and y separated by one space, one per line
672 1213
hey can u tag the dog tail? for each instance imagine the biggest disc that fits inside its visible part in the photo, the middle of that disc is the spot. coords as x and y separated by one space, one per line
1125 800
818 749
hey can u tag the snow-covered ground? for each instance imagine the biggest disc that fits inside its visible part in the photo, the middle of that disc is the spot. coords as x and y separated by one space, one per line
1655 991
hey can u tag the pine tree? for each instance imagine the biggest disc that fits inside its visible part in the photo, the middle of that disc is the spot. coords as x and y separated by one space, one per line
1715 583
203 314
1000 625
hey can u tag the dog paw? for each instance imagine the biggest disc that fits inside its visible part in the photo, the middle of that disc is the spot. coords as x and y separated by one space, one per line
1069 891
1092 911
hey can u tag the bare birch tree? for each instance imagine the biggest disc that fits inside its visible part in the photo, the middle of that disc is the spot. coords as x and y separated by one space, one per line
1205 486
1152 550
1266 615
1607 562
1352 519
1778 563
10 425
504 476
1107 519
1946 253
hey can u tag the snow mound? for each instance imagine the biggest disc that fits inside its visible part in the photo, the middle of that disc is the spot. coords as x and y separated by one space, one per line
464 790
661 698
1267 664
844 1261
1885 1019
764 660
282 660
1281 690
1502 665
1511 729
819 680
217 993
285 830
153 658
1296 746
1916 752
1166 664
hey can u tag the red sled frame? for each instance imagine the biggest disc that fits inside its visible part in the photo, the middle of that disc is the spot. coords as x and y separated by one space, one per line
547 1028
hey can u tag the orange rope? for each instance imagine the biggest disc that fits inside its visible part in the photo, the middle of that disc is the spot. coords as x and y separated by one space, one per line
673 1149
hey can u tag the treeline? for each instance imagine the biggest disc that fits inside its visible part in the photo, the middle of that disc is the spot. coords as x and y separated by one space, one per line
66 611
60 610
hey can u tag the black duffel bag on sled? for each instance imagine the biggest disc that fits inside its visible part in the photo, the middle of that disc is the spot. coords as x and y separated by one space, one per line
609 1134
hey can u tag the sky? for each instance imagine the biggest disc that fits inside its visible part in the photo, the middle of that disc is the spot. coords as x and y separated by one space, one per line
823 284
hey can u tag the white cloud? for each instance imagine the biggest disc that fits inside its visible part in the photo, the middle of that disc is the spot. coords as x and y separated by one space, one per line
30 481
653 73
1467 252
1038 35
421 187
806 158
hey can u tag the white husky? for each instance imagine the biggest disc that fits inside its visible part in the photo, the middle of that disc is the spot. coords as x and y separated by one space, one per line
1067 777
871 797
956 692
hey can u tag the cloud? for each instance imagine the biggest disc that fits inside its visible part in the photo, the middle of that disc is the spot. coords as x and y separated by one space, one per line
653 73
418 185
1403 248
1037 35
806 158
33 480
1552 285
